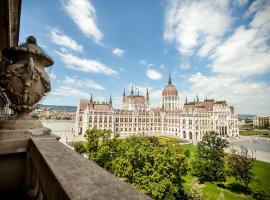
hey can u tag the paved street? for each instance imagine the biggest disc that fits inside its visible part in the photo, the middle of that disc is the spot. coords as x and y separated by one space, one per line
258 147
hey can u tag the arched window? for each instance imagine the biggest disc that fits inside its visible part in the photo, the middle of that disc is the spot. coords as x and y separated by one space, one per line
190 135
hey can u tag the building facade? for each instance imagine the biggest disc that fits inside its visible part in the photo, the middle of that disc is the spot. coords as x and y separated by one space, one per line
261 121
189 122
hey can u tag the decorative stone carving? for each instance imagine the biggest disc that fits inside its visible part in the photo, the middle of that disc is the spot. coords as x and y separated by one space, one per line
24 80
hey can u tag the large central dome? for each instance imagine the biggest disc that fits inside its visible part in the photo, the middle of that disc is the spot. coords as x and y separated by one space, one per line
169 90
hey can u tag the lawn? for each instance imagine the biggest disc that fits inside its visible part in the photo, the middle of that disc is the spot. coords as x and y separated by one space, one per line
167 139
211 191
255 132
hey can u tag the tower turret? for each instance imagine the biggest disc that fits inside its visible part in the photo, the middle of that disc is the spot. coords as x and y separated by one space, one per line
131 93
91 98
110 102
147 97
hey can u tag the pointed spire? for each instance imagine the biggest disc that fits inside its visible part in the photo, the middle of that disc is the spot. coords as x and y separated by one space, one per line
91 98
124 93
131 93
170 80
147 93
186 99
194 99
110 99
138 93
197 97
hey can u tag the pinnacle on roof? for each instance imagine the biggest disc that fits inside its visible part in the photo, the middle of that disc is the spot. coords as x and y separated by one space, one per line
124 93
170 80
131 93
110 100
91 98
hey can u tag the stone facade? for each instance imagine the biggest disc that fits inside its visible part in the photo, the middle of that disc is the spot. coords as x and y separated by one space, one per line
261 121
189 122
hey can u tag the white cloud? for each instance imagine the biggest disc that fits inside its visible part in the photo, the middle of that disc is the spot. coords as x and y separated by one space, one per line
189 23
145 63
247 96
245 53
142 62
118 52
153 74
83 14
52 75
59 38
85 64
85 83
208 47
162 66
69 92
185 65
150 65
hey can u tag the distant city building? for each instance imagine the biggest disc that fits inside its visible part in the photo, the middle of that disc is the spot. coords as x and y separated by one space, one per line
261 121
136 117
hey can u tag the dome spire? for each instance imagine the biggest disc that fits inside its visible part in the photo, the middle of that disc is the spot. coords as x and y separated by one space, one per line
131 93
170 80
91 98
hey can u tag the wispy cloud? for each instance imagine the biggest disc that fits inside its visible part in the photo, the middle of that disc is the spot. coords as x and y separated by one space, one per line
85 64
145 63
86 83
118 52
245 95
83 14
52 75
142 62
203 29
59 38
189 23
153 74
69 92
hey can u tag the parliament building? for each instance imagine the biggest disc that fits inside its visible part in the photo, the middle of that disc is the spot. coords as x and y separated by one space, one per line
188 122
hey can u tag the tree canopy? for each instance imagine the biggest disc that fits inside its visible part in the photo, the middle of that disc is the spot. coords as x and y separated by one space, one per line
154 169
240 166
209 162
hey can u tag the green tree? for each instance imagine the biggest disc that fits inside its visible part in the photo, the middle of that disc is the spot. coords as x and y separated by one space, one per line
209 162
79 147
240 166
195 192
153 169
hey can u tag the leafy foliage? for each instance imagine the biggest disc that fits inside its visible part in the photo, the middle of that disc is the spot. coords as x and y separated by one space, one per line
79 147
240 166
209 162
195 192
261 195
152 168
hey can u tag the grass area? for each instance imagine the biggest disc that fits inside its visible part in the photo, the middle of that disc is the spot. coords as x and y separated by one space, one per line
254 132
166 139
211 191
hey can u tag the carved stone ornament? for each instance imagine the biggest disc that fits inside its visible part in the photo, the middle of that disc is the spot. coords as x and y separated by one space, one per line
24 80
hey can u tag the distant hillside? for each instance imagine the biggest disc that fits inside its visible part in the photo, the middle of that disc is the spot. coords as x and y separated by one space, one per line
61 108
245 116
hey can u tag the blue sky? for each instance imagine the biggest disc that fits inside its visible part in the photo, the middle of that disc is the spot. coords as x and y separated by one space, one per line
219 49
